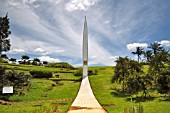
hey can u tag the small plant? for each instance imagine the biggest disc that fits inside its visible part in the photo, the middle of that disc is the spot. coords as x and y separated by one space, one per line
134 109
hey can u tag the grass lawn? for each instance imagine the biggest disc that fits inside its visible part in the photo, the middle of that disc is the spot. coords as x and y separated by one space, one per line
43 95
114 102
40 92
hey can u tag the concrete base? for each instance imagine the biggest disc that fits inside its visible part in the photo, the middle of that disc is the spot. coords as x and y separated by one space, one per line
85 101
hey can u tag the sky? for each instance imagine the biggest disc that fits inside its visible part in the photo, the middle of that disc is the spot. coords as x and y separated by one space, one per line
52 30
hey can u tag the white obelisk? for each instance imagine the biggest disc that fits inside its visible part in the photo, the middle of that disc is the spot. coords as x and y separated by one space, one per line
85 49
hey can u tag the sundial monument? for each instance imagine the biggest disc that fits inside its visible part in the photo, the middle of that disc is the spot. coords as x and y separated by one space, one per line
85 102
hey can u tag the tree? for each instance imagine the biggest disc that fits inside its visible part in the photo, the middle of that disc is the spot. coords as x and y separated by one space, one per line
25 58
156 47
36 61
45 62
4 56
137 80
13 60
164 81
139 51
148 55
121 71
4 33
159 63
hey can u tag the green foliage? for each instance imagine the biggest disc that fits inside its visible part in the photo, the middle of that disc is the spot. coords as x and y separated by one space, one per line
159 65
121 71
45 62
134 109
130 74
79 72
140 83
60 65
41 74
148 55
155 47
12 59
36 61
25 57
164 81
133 79
4 33
4 56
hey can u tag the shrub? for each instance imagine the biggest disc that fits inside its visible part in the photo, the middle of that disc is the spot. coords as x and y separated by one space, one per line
79 72
41 74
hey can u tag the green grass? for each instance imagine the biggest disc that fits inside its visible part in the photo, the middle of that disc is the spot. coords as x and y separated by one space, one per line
103 90
41 92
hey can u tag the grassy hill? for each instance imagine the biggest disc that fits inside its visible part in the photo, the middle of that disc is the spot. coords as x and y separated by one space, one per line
44 95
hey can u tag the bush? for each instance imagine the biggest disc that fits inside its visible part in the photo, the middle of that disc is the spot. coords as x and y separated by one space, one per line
41 74
60 65
79 72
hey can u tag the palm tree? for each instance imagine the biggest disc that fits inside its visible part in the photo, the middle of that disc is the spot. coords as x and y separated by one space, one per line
139 51
156 47
148 55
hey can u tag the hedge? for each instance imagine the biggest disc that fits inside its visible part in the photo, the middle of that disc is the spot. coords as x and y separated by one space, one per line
41 74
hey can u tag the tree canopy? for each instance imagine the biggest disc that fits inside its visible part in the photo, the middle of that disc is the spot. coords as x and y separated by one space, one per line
4 33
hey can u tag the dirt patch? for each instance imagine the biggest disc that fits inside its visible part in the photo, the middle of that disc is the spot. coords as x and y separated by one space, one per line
5 102
57 111
108 105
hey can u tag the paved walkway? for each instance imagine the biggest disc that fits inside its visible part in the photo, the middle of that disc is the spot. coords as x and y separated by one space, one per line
85 101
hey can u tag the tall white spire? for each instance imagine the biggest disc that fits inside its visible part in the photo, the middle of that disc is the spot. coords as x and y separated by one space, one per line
85 49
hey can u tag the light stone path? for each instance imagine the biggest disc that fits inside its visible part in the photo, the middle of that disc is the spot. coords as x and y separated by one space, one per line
85 101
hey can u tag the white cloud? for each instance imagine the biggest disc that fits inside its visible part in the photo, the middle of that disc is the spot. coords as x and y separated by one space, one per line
16 51
79 4
39 50
48 59
93 57
134 45
59 51
114 57
165 43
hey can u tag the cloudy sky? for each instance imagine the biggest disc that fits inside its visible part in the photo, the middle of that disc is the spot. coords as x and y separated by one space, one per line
52 29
